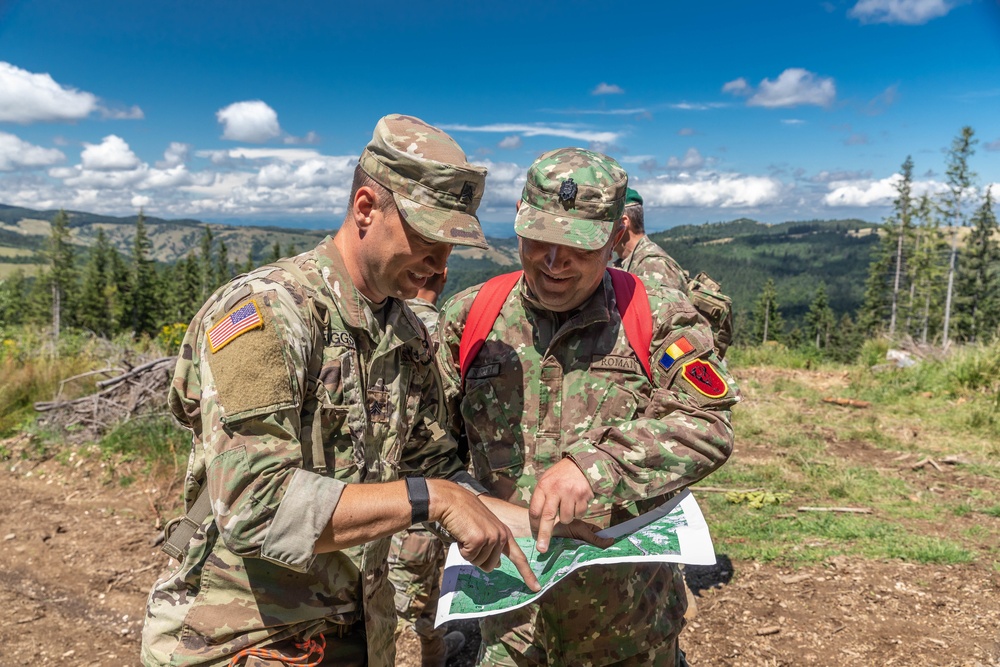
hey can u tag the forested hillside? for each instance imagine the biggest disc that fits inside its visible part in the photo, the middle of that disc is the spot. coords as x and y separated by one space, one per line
798 256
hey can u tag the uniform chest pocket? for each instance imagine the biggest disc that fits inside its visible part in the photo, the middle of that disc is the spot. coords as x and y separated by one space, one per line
615 405
495 442
330 432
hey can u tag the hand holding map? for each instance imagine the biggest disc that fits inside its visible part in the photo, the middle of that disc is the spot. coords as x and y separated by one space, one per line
675 532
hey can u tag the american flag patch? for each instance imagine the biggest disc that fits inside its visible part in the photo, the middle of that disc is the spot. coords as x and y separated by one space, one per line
238 321
675 351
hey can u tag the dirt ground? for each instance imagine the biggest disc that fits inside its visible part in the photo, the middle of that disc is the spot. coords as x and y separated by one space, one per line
76 562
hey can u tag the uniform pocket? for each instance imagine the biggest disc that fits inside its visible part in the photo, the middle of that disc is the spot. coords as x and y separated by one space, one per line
496 445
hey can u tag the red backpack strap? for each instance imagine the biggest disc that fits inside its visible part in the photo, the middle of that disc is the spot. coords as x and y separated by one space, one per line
637 319
483 313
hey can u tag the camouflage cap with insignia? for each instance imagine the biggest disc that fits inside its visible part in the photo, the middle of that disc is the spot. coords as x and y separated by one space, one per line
572 197
435 188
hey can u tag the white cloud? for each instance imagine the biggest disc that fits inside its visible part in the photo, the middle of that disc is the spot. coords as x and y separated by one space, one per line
607 89
600 112
26 97
712 190
906 12
737 87
635 159
792 121
513 141
15 153
310 138
176 154
686 132
863 193
252 121
558 130
793 87
698 106
282 154
111 154
993 145
691 161
135 113
504 183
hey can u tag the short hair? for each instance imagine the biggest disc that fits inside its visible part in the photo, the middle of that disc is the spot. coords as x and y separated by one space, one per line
634 213
384 201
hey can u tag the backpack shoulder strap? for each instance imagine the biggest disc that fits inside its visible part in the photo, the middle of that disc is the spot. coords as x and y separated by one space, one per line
637 319
483 313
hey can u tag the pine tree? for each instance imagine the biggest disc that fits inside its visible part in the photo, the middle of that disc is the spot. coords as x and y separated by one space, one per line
143 296
206 266
903 228
977 294
223 272
927 271
766 318
13 296
95 308
275 253
960 179
61 272
119 291
820 318
887 275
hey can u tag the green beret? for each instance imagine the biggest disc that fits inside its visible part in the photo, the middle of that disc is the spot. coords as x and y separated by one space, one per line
632 198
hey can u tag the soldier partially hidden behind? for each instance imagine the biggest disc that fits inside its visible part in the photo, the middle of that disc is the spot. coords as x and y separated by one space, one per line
417 555
308 386
638 254
567 414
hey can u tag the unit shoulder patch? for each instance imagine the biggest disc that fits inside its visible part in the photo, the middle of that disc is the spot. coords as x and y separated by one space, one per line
704 378
235 323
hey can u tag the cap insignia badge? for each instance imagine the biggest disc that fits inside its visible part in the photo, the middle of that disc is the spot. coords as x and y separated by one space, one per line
567 191
468 190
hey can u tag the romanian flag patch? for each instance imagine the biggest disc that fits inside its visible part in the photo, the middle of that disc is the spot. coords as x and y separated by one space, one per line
677 349
237 322
704 378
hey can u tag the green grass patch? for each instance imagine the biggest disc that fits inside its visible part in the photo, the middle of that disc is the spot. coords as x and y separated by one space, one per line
153 440
772 534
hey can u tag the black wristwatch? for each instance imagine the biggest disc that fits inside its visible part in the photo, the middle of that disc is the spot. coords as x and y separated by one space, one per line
420 499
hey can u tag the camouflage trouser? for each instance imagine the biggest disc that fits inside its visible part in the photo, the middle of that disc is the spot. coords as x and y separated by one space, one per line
627 615
416 559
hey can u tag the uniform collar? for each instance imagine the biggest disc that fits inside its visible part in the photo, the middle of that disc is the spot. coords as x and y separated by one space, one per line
354 309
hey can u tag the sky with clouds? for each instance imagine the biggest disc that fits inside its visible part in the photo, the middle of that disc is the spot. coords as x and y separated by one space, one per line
256 111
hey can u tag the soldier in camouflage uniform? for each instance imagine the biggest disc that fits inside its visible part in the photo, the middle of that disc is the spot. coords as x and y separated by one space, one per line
417 555
562 418
639 255
308 386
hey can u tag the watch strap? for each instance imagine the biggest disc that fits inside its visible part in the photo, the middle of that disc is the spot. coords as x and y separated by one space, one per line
420 499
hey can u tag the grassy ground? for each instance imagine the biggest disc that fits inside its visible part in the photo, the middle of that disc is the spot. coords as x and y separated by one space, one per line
921 460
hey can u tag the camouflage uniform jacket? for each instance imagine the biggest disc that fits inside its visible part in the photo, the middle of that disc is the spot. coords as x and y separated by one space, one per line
654 265
547 386
318 380
426 311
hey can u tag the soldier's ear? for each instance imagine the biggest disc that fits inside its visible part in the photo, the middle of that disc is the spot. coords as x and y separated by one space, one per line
620 233
365 202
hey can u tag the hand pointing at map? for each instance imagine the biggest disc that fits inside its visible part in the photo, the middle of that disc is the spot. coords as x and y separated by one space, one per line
561 495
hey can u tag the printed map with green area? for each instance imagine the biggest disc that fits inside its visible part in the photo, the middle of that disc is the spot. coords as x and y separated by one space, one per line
681 536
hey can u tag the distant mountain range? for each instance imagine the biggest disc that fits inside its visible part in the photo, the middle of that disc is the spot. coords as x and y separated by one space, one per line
741 254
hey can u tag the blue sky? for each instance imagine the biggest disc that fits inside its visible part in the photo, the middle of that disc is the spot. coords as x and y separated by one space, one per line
256 111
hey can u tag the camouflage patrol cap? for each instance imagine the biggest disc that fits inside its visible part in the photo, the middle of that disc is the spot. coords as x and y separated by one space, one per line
434 187
572 197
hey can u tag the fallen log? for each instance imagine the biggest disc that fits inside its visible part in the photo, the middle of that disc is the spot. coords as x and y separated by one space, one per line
852 510
849 402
